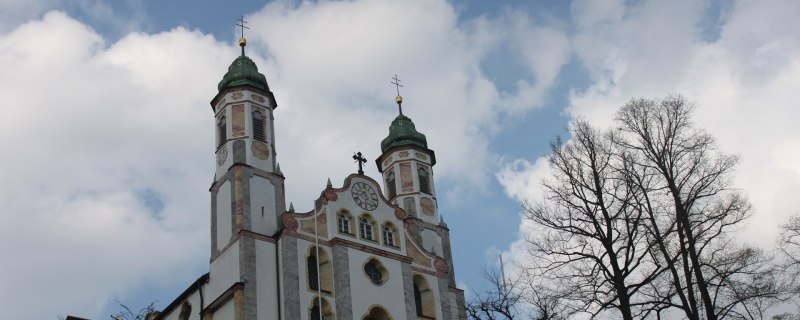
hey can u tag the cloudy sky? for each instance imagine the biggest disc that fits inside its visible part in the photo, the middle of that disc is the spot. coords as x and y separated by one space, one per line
107 134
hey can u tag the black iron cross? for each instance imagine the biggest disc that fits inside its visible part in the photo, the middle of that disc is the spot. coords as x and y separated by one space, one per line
358 157
241 24
397 85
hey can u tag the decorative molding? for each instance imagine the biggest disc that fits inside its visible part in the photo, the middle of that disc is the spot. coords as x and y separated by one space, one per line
257 98
222 155
238 120
321 220
238 95
406 179
427 205
399 214
260 150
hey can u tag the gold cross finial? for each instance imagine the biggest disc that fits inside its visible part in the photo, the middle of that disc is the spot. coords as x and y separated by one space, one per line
398 99
242 40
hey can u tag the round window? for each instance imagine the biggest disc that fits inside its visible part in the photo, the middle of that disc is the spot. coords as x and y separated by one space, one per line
375 271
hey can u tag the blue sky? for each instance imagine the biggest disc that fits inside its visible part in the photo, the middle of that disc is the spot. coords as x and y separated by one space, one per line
108 132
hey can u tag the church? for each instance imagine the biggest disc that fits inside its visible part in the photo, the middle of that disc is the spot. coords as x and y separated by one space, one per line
367 250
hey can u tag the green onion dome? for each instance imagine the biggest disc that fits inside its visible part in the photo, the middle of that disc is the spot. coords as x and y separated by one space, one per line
243 71
402 132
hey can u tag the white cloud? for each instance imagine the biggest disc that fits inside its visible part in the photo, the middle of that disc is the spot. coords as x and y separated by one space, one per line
88 131
95 133
744 84
331 70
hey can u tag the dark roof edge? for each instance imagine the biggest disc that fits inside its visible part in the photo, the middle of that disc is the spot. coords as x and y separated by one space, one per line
183 295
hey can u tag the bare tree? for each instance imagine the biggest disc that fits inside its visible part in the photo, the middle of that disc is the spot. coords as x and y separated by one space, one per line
499 301
691 209
590 240
789 250
789 245
638 220
517 297
128 314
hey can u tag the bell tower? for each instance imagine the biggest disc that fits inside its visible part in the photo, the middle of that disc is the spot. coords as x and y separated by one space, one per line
247 193
406 165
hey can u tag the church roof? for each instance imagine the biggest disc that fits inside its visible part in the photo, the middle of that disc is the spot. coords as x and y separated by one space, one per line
243 71
402 132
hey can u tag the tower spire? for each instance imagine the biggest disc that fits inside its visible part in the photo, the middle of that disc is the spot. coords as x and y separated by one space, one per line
242 40
398 99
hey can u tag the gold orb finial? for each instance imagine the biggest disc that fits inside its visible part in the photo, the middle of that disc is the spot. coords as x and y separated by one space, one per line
399 99
242 42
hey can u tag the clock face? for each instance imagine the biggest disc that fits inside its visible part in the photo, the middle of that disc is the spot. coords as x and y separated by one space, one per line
365 196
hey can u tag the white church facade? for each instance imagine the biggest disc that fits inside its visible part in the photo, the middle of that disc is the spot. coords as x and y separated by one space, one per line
367 250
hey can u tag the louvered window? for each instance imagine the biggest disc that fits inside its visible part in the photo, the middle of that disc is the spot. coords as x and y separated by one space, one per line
258 127
222 131
424 181
390 185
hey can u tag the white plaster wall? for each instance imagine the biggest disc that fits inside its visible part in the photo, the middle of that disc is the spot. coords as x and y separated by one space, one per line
267 286
432 240
224 227
262 206
224 273
194 301
453 305
390 295
384 212
226 311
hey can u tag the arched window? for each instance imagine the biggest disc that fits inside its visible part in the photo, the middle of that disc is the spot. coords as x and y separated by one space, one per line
424 180
313 272
418 299
376 313
390 184
319 270
258 127
222 131
389 232
317 312
365 226
344 222
423 298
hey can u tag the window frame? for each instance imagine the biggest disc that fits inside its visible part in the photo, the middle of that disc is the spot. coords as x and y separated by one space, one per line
389 231
365 228
344 223
258 115
222 131
391 184
422 171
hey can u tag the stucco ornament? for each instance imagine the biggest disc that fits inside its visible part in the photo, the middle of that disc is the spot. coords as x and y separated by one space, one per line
257 98
222 155
399 214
